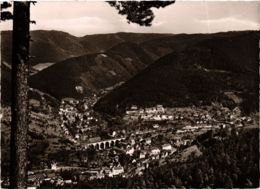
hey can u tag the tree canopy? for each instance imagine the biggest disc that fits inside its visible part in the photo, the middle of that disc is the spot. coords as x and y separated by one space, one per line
5 15
139 12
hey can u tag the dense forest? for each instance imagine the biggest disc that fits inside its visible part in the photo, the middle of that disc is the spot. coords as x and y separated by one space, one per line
196 75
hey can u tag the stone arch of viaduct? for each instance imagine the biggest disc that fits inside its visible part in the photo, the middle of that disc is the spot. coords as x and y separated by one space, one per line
101 145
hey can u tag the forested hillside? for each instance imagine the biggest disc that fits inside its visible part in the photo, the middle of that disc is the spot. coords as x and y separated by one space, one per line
199 74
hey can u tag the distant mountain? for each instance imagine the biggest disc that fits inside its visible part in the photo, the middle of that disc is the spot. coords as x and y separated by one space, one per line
55 46
96 62
102 42
49 47
108 67
166 44
203 70
92 72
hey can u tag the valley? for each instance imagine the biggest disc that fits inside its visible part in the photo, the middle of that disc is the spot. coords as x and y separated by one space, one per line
116 109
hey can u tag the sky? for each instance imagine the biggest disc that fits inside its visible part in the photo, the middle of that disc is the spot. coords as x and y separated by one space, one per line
81 18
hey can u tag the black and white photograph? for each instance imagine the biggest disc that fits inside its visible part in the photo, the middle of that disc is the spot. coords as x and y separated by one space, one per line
129 94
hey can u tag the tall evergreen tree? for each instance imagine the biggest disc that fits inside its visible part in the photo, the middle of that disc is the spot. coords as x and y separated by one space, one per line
20 74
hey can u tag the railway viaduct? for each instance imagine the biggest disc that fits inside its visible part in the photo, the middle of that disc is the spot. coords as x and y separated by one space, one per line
101 145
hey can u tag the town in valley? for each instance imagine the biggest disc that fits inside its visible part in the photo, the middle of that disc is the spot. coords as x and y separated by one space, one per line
122 95
83 146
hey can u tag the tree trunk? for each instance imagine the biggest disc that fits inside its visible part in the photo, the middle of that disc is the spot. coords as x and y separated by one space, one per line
20 73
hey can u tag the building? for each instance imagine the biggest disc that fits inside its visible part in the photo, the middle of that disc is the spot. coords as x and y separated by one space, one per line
68 181
157 118
164 154
167 147
146 116
164 117
148 141
155 151
160 108
54 166
134 107
130 151
156 126
142 154
77 136
132 141
116 171
150 110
